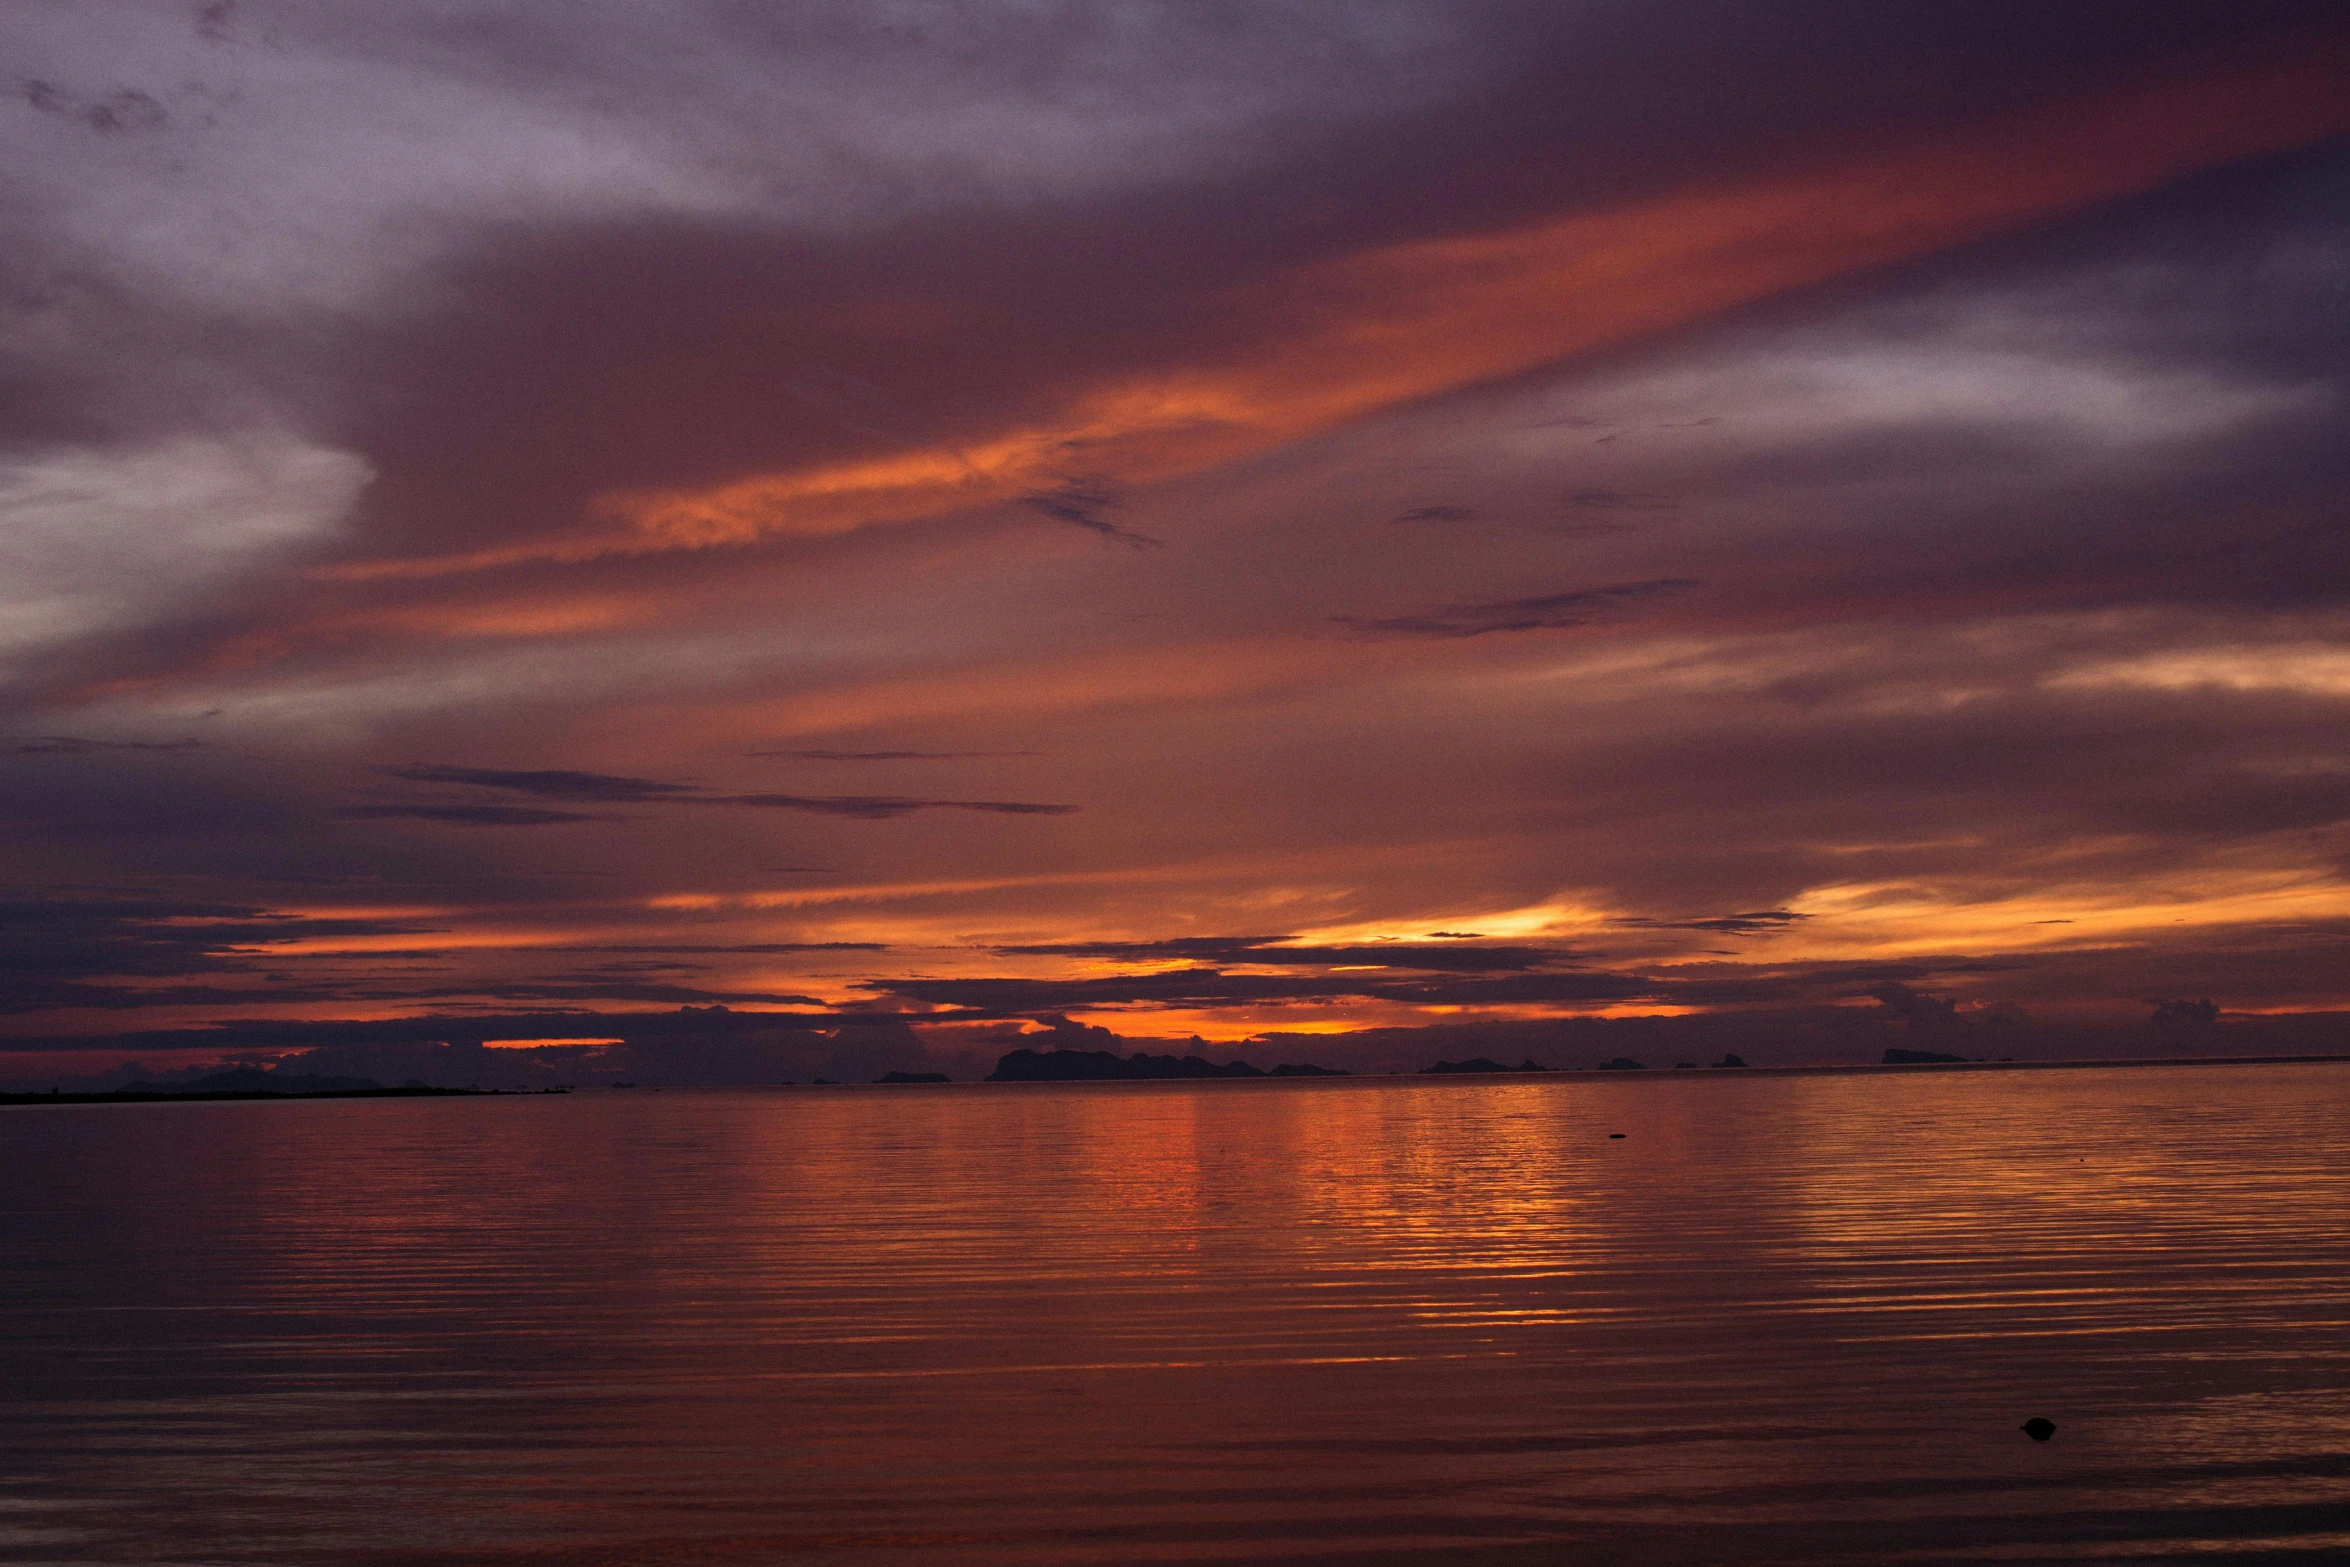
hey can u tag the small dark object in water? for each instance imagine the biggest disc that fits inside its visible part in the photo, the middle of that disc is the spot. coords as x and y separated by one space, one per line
2037 1429
1612 1136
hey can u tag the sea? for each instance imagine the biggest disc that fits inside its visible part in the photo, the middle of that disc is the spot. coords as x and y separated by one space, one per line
1637 1318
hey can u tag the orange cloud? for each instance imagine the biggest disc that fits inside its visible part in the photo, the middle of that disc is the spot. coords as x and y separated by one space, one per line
1371 331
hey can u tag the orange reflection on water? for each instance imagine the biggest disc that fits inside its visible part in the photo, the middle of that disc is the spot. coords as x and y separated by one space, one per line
1778 1318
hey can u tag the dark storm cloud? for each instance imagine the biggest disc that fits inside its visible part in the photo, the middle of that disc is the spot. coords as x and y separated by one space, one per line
1549 611
1274 951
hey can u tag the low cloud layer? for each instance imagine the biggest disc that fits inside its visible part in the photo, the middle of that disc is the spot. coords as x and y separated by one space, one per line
602 788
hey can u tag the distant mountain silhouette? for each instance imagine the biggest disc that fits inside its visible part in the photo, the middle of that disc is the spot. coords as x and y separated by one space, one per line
1303 1069
253 1080
1623 1064
1918 1058
1100 1066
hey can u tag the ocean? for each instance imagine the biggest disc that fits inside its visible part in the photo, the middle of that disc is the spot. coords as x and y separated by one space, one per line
1780 1318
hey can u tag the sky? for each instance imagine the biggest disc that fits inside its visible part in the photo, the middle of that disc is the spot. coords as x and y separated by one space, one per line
722 542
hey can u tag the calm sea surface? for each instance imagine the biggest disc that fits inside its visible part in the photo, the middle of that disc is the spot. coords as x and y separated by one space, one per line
1782 1319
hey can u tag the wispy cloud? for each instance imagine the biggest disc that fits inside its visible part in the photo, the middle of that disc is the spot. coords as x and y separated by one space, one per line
1081 503
890 756
1756 923
397 395
1550 611
75 745
607 788
1283 952
464 815
876 807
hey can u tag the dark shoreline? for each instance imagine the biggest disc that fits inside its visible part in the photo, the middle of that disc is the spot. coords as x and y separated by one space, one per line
1904 1067
1579 1074
150 1096
1705 1073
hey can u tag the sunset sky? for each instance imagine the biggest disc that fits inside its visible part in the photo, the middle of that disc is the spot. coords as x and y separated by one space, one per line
933 526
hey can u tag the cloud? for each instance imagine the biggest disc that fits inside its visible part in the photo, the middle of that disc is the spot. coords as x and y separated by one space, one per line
589 988
552 784
890 756
108 952
1461 979
1619 500
744 947
96 539
878 807
1755 923
1669 424
679 378
124 109
463 815
1281 951
1550 611
607 788
159 936
1210 987
1081 502
74 745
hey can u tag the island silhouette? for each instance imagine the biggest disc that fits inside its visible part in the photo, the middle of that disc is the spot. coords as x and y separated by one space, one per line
1102 1066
